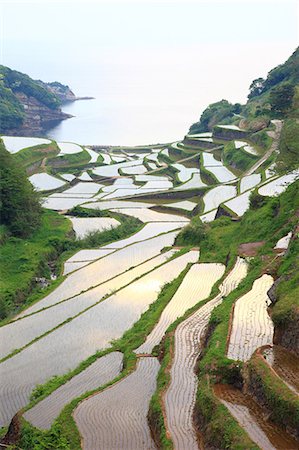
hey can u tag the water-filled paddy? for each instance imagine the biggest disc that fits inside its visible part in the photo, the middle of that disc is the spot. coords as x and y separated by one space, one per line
13 144
45 182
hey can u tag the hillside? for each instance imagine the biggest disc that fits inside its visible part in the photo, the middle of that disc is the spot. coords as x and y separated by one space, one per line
28 106
275 97
155 304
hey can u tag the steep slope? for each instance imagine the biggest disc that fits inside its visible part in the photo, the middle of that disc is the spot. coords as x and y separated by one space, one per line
26 105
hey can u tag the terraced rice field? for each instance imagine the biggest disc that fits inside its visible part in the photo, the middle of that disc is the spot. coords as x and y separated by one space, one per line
209 160
101 372
180 396
278 185
239 204
80 189
112 170
106 158
145 178
119 193
218 195
251 417
84 225
85 177
230 127
221 173
13 144
20 333
284 242
209 217
69 148
194 183
148 215
251 150
93 155
64 348
117 204
159 184
117 417
104 269
196 286
136 170
45 182
67 176
184 173
63 203
249 182
251 325
150 229
185 204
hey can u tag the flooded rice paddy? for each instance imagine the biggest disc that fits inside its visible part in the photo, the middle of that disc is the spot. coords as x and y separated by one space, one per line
117 417
251 324
45 182
61 350
218 195
14 144
102 371
181 393
104 269
196 286
251 417
83 225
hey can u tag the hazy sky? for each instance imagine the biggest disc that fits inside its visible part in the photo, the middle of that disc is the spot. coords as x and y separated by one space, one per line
177 53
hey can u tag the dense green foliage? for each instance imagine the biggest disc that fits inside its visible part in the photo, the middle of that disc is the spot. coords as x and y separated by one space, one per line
12 83
286 72
11 110
19 204
281 98
214 114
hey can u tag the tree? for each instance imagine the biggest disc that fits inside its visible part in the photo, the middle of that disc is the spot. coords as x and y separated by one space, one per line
281 98
20 209
256 88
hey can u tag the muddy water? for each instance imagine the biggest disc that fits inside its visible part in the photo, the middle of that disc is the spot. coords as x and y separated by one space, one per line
251 417
285 364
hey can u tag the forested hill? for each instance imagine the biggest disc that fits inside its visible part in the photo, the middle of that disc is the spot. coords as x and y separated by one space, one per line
27 105
275 97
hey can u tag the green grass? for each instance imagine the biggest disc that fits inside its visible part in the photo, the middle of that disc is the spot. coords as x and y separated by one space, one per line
288 157
33 155
23 259
237 158
285 313
281 402
73 160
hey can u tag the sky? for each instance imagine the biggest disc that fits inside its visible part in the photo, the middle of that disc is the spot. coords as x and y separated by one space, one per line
160 53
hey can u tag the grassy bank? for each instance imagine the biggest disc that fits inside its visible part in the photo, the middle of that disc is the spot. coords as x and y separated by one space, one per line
70 160
269 390
237 158
220 429
288 157
21 260
33 155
